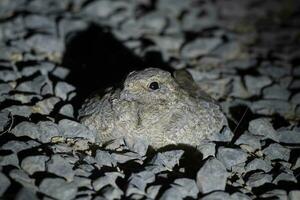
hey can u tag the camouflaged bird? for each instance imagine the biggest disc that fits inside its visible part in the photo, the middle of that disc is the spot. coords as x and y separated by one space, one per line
155 107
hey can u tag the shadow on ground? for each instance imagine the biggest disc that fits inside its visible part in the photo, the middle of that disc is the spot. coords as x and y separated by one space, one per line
97 60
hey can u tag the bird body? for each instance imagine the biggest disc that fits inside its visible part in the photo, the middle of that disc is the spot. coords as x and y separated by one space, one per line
154 107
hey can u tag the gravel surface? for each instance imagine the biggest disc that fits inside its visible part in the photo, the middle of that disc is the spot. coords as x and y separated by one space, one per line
245 54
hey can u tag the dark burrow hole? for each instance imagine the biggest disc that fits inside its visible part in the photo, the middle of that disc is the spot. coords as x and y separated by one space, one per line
97 60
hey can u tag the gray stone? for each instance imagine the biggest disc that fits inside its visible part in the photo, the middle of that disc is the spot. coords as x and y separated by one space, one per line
48 130
255 85
263 127
223 136
111 193
4 119
25 194
289 136
285 177
104 158
11 159
152 191
32 164
295 98
258 179
200 47
8 75
45 44
239 196
74 129
63 89
101 9
46 106
276 92
238 89
207 149
137 145
35 85
258 164
17 146
218 195
295 84
228 51
212 176
270 107
109 178
152 23
230 157
83 182
252 141
125 157
59 166
186 187
5 88
171 193
21 177
274 71
167 159
43 67
67 110
60 72
26 129
58 188
275 194
20 110
141 179
40 22
294 195
4 182
276 151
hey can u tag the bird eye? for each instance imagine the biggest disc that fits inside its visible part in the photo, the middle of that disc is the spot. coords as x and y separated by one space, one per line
154 85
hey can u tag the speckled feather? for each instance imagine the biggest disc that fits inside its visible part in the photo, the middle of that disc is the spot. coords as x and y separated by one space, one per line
170 114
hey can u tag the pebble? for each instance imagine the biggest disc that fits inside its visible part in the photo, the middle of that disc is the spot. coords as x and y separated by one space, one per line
11 159
258 179
4 182
275 194
46 106
207 149
21 177
239 196
199 47
294 195
167 159
26 193
67 110
35 85
74 129
217 195
4 120
48 130
104 158
263 127
109 178
255 84
276 92
58 188
32 164
271 107
285 177
230 157
252 141
61 167
289 136
276 151
258 164
63 89
212 176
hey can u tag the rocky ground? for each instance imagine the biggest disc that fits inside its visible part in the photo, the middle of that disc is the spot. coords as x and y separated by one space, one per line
54 53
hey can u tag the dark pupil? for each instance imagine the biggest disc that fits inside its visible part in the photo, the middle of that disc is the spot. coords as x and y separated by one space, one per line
154 86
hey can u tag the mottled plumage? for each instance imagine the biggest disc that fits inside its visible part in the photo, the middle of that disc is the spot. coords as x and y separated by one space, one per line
155 107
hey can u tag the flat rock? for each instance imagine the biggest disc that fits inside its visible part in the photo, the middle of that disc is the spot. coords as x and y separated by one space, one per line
276 92
58 188
45 106
32 164
207 149
218 195
276 151
167 159
74 129
212 176
48 130
275 194
200 47
109 178
289 136
4 119
61 167
230 157
11 159
258 179
21 177
263 127
258 164
285 177
67 110
252 141
104 158
294 195
62 89
255 84
26 193
4 182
